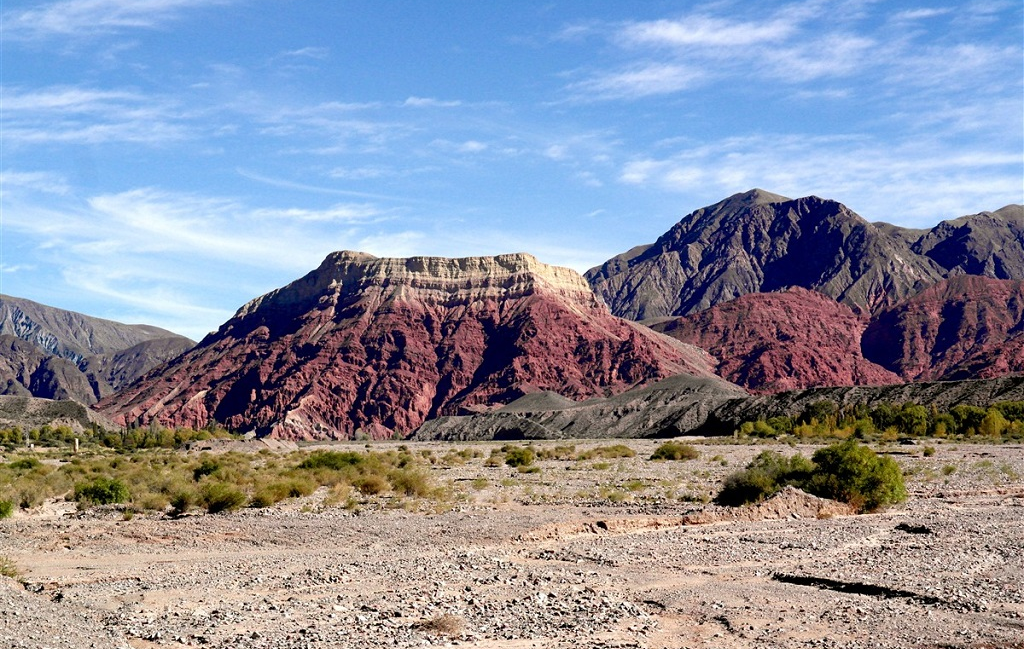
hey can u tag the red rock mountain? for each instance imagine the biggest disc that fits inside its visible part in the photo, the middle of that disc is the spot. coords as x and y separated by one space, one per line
761 242
772 342
376 346
967 327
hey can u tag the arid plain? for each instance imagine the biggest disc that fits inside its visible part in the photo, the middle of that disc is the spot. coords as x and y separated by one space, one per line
599 552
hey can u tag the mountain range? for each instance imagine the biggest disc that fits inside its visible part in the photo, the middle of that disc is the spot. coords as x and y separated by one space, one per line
757 292
57 354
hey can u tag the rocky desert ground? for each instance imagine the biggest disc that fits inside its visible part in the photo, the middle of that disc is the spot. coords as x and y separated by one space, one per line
620 552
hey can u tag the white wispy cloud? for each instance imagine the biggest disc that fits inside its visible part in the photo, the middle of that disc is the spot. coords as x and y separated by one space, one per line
41 181
72 114
430 102
914 183
640 80
178 254
82 18
921 14
319 53
798 44
706 31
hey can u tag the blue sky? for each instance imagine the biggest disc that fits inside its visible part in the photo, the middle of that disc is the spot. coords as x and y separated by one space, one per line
165 161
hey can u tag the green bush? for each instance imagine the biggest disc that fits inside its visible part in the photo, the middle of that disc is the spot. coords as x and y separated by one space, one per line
25 464
6 508
853 473
207 467
182 501
102 491
516 456
221 497
675 451
848 472
765 476
336 460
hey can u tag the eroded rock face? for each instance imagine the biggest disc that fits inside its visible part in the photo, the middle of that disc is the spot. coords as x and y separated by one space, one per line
56 354
965 327
771 342
762 242
372 346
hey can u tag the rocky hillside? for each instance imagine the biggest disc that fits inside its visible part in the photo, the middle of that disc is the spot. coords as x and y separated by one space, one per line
966 327
771 342
990 244
761 242
372 346
673 408
56 354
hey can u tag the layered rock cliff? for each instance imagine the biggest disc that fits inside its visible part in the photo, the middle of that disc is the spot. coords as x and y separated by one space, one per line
364 345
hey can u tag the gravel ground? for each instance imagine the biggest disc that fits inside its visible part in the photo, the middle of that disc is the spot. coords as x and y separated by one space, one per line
578 555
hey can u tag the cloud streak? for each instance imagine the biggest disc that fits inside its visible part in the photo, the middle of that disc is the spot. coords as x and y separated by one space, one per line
88 18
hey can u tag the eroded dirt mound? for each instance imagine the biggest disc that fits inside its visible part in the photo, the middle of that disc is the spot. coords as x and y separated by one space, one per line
788 503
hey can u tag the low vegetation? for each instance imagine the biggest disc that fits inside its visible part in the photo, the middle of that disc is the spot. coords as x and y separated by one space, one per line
675 451
848 472
175 483
1002 421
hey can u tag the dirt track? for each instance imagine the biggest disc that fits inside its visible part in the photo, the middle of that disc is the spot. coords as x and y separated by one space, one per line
587 557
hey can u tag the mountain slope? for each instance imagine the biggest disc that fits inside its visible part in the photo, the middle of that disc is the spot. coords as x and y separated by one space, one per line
56 354
761 242
771 342
376 346
990 244
965 327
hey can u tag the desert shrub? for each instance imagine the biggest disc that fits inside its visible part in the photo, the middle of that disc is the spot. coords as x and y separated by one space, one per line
25 464
336 460
8 568
928 451
371 484
675 451
446 624
853 473
410 482
559 452
205 468
275 492
516 456
102 491
6 508
221 497
607 452
765 476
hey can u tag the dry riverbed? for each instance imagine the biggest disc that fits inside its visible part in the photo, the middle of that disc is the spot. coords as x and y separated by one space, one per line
620 552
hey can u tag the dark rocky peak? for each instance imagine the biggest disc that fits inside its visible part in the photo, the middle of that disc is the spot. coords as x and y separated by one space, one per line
989 244
758 242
